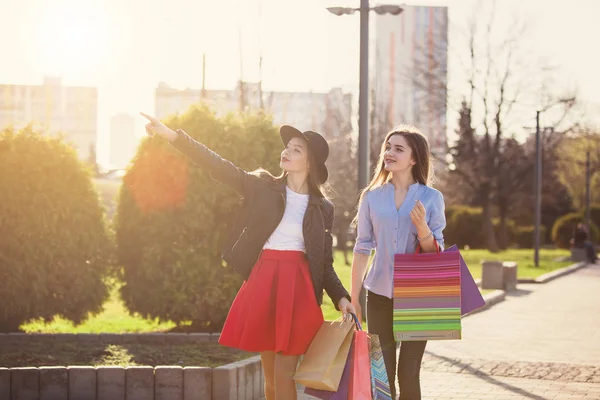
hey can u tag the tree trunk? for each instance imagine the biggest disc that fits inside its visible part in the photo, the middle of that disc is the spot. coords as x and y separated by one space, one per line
488 225
503 234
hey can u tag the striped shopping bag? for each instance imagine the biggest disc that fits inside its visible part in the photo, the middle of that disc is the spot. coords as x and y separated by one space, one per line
427 296
379 378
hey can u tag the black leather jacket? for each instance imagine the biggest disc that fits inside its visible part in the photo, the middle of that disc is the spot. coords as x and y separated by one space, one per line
262 209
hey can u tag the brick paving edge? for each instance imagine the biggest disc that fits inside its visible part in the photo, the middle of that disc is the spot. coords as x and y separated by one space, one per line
239 380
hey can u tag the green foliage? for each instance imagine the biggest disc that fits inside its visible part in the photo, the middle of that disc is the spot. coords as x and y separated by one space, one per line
464 227
571 170
172 219
594 214
523 236
55 248
564 227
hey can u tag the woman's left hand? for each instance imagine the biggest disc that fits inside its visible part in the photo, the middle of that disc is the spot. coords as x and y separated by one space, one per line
346 307
417 215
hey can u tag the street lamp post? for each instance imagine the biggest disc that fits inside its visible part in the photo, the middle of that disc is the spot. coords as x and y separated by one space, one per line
363 94
588 192
538 190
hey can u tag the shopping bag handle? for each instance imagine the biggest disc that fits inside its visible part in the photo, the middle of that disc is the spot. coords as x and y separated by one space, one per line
356 322
437 247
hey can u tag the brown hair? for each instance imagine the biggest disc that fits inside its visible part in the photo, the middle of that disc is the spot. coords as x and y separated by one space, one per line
422 171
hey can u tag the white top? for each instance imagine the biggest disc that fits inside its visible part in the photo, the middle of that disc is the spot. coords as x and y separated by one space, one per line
288 234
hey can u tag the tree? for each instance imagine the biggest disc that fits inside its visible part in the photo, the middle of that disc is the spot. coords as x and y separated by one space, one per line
512 183
500 77
342 164
461 184
56 249
172 219
571 158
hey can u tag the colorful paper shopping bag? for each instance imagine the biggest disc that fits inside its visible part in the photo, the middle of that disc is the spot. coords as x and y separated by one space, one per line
324 361
342 391
470 296
360 369
427 296
379 378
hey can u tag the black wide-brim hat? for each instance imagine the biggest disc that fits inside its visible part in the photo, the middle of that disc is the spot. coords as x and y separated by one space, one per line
317 146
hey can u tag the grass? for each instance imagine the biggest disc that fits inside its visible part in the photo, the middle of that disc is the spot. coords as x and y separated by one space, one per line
524 258
115 318
37 354
473 258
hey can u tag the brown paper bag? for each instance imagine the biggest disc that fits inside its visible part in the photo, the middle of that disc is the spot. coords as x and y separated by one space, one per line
324 361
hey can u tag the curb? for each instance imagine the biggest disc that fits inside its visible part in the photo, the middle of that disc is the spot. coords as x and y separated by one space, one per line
549 276
242 380
112 338
555 274
495 297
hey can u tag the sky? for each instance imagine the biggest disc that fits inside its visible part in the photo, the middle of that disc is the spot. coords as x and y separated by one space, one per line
125 47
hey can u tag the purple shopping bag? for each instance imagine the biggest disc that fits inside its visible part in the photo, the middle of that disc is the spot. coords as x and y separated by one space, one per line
470 296
342 392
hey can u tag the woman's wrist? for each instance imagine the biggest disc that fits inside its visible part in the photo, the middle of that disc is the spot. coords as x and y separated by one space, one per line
342 301
423 231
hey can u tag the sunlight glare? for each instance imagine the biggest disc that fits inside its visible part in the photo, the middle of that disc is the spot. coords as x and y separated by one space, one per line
73 41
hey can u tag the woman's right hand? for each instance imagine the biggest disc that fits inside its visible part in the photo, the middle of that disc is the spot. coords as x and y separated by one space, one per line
155 127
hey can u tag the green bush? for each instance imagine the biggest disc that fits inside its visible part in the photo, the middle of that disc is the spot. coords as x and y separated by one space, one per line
523 238
172 219
55 247
464 227
564 227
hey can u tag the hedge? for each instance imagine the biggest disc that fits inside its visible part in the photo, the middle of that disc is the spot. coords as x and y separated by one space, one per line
172 219
55 248
465 228
523 236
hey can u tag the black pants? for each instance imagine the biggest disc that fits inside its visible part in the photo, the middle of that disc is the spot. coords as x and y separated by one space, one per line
380 310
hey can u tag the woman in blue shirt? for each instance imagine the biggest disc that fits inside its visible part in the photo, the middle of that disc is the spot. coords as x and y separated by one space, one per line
397 212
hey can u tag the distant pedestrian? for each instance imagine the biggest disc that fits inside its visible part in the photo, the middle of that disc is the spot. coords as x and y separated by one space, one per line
581 241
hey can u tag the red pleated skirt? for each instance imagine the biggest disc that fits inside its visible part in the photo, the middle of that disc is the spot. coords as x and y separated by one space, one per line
276 308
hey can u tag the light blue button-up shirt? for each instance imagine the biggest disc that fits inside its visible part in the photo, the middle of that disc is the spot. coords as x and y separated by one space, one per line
390 231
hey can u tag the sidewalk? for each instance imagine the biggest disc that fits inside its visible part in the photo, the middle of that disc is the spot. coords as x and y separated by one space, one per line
543 342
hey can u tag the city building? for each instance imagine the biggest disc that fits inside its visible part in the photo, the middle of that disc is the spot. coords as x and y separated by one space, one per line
57 108
327 113
408 69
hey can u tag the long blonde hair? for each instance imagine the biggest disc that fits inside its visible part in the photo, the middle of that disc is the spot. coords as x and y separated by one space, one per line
422 171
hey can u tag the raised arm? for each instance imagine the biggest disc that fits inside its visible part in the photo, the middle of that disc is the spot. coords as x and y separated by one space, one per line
220 169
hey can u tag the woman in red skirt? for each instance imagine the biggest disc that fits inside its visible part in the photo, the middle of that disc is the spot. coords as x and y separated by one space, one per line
281 244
